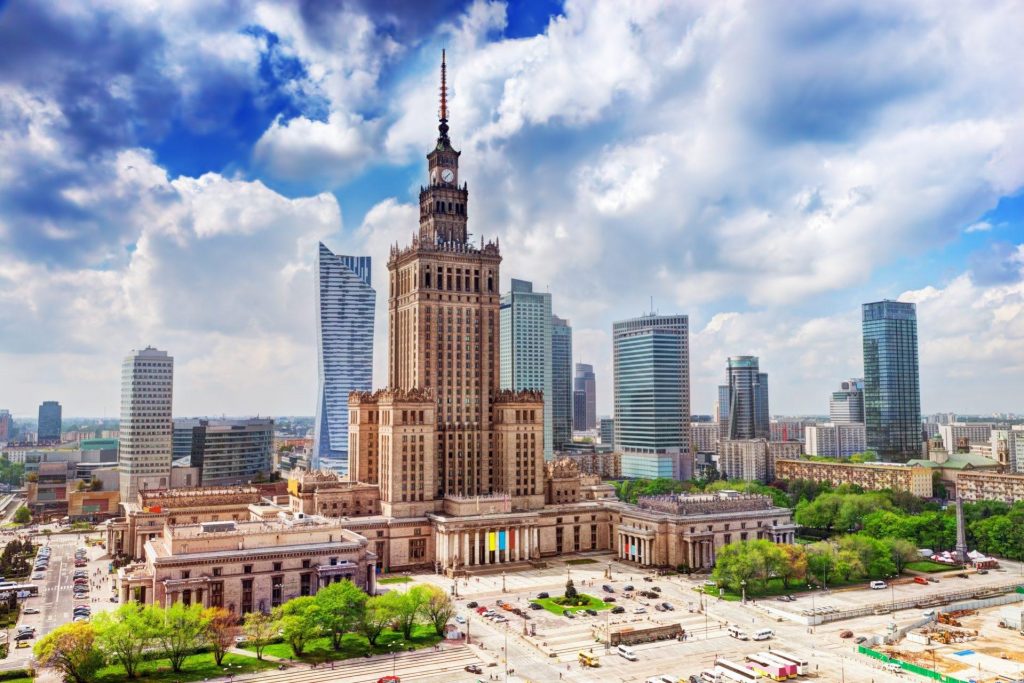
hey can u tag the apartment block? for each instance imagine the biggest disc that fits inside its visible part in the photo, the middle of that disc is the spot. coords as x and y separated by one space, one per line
870 476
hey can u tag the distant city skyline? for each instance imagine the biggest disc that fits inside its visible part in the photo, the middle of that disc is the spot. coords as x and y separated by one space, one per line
184 210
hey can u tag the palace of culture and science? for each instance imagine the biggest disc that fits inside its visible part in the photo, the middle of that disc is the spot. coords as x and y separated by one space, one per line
446 471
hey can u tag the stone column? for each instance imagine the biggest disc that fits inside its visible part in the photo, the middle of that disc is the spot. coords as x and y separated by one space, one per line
465 547
476 547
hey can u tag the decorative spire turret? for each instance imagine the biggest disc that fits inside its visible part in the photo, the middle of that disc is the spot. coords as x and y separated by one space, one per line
443 116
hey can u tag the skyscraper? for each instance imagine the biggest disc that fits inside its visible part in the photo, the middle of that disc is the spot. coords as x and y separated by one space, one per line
6 426
846 406
561 382
652 395
229 451
747 398
344 339
49 422
526 361
892 395
443 428
147 387
585 381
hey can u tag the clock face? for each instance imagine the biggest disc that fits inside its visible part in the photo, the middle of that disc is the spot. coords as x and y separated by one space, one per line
447 175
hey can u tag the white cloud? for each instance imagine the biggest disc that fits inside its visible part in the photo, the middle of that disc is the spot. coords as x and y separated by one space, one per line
980 226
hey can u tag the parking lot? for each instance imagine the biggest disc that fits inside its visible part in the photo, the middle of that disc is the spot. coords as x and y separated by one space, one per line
56 601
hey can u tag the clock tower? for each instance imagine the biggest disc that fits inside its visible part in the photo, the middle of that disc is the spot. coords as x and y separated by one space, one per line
443 202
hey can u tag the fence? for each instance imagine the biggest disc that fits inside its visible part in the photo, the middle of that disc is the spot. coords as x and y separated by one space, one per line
907 666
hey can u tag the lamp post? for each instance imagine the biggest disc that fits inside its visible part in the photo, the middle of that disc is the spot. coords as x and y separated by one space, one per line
813 615
743 587
892 591
503 581
394 658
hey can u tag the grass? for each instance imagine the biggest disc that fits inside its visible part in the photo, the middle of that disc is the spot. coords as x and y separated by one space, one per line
353 645
394 579
775 588
582 560
929 567
553 607
196 668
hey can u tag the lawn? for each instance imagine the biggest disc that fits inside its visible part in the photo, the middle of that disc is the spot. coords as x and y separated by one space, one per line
196 668
929 567
775 588
553 607
394 579
353 645
582 560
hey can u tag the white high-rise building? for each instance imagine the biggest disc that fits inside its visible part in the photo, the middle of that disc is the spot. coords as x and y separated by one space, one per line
835 440
147 427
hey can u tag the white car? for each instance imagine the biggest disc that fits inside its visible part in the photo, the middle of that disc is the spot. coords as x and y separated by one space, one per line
640 610
460 619
30 610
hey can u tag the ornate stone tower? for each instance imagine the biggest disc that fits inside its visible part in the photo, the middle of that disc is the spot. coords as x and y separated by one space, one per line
443 335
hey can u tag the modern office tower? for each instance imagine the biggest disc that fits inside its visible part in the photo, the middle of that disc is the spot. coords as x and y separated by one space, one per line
585 381
747 398
344 341
6 426
526 361
144 458
892 395
561 382
847 405
835 440
607 430
227 451
722 411
49 422
443 429
579 409
652 395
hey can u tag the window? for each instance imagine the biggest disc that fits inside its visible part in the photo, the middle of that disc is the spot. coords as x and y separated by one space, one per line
417 549
306 563
216 571
247 569
217 594
186 573
305 582
276 584
277 566
246 596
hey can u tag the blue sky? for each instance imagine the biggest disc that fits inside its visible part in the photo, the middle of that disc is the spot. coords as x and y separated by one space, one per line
166 172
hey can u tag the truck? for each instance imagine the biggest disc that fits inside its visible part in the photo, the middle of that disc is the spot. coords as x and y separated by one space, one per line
588 659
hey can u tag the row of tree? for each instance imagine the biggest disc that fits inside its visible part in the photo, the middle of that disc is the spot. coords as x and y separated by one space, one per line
754 564
133 632
16 558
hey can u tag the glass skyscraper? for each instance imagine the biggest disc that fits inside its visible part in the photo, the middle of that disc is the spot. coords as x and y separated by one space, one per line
585 383
892 393
344 338
526 347
652 395
747 399
49 427
561 382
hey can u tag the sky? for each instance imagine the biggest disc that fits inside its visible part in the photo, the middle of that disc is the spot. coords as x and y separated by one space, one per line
167 170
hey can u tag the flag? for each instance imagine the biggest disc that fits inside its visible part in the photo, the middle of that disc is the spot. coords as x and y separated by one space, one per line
491 539
501 540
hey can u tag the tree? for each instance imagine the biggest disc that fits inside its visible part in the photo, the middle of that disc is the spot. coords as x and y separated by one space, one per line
375 618
736 564
407 607
259 629
821 561
299 622
794 568
570 590
125 634
340 605
219 632
180 630
902 553
439 608
71 649
22 515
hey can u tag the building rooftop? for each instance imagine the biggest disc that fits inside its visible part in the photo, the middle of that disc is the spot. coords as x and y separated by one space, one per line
957 461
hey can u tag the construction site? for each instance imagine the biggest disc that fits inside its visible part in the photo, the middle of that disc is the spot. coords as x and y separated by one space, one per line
980 645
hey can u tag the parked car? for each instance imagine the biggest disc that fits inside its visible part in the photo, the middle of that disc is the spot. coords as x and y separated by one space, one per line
567 613
534 605
628 587
846 634
932 579
668 606
25 636
591 612
983 571
860 639
658 607
656 589
474 669
640 610
618 609
541 596
921 580
472 604
30 610
607 589
610 599
389 679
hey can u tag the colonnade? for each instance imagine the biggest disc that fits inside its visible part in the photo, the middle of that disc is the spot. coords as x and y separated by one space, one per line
639 549
487 546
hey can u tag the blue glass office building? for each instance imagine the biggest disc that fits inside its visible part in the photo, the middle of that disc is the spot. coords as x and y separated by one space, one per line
892 394
344 326
652 395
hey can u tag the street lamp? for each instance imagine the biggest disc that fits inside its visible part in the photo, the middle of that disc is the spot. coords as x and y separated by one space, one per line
503 581
394 657
743 587
892 590
812 619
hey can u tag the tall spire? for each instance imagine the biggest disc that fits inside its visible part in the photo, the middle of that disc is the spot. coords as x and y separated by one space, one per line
443 127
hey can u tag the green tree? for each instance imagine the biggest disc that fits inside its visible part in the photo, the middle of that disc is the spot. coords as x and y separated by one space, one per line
407 607
299 622
738 563
22 515
439 608
124 634
902 553
794 567
821 561
570 590
340 605
259 629
179 631
375 618
71 649
219 631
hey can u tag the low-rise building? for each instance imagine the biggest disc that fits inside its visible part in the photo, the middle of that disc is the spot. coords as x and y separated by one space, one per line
950 466
248 566
870 476
975 486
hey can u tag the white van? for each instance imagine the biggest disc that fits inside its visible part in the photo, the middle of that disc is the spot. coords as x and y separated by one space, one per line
876 585
764 634
627 652
737 632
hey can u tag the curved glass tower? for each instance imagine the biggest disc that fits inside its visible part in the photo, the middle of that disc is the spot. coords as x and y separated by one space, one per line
344 339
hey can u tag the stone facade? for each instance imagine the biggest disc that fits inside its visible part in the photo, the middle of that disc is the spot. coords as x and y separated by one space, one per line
247 566
974 486
870 476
